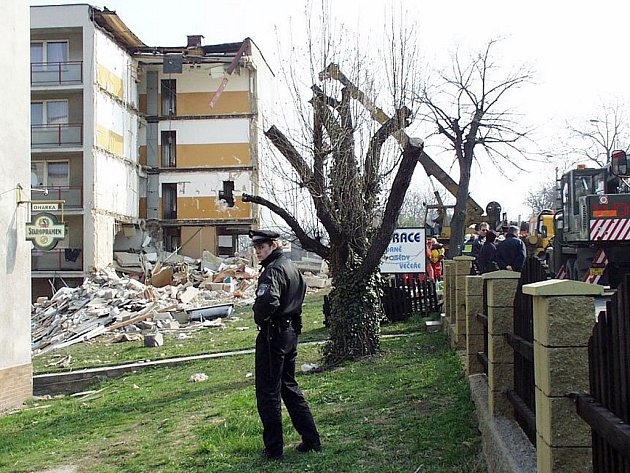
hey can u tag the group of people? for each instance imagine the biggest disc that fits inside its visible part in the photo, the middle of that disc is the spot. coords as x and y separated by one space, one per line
492 253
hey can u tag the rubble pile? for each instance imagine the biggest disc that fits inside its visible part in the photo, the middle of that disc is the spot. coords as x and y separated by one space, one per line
107 302
177 291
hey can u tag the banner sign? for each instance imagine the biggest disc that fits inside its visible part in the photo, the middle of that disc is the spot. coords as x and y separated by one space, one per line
406 252
45 231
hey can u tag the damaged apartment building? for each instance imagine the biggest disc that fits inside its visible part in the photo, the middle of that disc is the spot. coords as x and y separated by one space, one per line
141 147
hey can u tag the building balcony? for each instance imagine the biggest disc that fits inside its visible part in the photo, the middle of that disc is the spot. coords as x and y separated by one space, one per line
73 195
63 259
62 135
56 73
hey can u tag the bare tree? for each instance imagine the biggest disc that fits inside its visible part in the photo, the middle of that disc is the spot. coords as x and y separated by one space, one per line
413 211
606 130
352 166
541 198
467 109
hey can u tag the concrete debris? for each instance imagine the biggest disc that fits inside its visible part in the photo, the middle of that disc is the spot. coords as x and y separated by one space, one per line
311 368
127 337
152 340
320 282
180 291
198 377
107 302
64 362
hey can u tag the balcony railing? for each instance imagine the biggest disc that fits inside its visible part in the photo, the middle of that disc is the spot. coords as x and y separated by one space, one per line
57 73
64 259
73 195
43 136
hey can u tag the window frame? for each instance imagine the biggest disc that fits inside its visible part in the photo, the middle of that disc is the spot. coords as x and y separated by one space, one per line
44 43
169 150
170 100
46 163
45 118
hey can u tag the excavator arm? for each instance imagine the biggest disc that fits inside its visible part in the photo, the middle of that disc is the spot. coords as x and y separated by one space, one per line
473 210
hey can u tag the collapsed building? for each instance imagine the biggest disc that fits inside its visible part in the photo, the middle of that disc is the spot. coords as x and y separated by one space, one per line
141 152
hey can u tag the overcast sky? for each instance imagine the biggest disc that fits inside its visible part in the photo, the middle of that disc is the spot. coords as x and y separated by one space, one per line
577 48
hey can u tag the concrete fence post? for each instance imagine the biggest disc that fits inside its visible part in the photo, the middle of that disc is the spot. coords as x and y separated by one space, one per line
463 264
474 329
449 292
564 316
501 288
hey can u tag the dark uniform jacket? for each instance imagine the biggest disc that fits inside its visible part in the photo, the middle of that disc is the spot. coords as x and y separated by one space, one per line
511 252
472 246
280 292
487 258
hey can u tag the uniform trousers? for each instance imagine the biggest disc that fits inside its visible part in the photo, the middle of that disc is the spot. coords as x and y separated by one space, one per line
276 350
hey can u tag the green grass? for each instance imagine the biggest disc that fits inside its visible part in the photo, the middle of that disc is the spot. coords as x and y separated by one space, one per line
102 352
404 411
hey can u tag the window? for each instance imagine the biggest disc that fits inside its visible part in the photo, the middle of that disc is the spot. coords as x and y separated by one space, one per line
169 201
169 146
49 112
172 238
169 93
49 51
227 193
50 173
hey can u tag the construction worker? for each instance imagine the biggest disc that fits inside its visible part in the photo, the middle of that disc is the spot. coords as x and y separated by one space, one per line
277 312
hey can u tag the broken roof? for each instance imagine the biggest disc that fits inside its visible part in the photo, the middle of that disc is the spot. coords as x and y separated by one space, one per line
111 22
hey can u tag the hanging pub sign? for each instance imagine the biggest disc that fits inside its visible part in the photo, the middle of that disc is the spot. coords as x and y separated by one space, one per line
45 231
406 252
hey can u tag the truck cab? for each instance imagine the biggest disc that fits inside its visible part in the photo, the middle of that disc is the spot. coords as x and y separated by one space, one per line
592 226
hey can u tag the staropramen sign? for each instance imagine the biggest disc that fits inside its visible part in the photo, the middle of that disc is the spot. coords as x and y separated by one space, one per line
45 231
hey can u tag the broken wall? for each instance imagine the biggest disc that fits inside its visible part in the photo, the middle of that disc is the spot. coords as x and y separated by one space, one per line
198 239
111 172
198 194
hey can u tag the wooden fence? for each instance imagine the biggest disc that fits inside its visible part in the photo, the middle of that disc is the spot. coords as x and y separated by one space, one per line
522 397
607 409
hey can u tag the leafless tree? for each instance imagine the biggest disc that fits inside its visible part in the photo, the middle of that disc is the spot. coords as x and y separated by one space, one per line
468 111
606 130
351 164
413 212
541 198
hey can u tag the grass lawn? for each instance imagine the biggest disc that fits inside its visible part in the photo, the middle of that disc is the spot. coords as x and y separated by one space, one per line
102 352
408 410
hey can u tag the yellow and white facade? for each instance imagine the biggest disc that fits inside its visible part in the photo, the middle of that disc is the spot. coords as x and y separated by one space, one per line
126 136
202 135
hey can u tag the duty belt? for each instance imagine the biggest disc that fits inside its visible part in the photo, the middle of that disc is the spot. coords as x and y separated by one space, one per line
280 324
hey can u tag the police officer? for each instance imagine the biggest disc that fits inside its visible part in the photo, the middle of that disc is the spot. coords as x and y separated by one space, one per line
277 312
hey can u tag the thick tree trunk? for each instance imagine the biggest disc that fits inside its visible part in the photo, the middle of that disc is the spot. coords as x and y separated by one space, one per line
458 222
356 314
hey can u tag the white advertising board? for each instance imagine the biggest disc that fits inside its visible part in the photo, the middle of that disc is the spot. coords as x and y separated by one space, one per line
405 252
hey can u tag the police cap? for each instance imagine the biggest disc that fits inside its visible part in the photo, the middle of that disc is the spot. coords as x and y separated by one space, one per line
262 236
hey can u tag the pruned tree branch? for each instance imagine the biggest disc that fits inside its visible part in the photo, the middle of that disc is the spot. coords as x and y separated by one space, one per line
308 243
320 199
392 209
